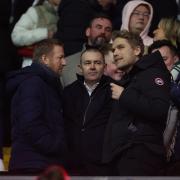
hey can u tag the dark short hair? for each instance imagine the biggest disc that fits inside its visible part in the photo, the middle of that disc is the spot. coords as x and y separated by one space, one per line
91 49
45 47
99 15
133 39
160 43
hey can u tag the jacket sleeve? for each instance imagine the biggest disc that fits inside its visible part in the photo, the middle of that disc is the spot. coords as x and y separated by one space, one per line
45 135
25 31
148 96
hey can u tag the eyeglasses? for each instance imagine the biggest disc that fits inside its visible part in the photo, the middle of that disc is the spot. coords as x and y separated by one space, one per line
137 13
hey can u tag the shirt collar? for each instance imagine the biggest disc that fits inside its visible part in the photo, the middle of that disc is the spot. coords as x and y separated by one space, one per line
90 89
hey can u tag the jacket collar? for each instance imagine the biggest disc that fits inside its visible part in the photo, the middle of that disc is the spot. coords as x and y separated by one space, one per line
149 60
104 79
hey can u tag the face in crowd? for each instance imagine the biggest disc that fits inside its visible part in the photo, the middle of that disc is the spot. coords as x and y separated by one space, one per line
111 69
168 56
92 66
125 56
139 19
55 60
99 32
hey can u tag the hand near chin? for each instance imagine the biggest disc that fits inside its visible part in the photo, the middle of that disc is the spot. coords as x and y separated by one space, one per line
116 91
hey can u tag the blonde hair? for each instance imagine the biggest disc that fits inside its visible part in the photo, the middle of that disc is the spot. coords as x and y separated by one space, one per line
171 29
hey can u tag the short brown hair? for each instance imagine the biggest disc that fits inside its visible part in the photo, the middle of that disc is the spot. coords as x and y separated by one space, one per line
45 47
91 49
134 39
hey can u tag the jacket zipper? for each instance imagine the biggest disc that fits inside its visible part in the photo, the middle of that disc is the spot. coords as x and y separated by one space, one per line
84 118
90 100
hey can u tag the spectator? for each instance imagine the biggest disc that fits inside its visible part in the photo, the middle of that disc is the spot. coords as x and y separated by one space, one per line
38 23
169 29
87 106
111 69
134 135
36 110
136 17
170 56
168 52
168 9
98 33
74 19
162 9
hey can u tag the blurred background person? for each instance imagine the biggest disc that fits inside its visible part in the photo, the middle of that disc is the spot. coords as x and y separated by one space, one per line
172 141
111 69
137 17
169 29
75 16
168 9
37 23
168 51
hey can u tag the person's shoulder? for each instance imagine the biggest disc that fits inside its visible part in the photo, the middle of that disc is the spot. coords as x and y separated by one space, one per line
71 86
34 81
31 10
30 14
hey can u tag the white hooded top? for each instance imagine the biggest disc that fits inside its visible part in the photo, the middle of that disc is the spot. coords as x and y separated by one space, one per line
126 14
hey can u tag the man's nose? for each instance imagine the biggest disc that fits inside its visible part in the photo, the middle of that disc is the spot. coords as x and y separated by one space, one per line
115 52
92 65
64 62
103 31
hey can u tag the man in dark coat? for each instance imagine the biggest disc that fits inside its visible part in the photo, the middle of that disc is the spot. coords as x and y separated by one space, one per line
36 110
87 106
134 135
75 16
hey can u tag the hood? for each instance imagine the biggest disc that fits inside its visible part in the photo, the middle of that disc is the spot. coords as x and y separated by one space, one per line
15 78
126 14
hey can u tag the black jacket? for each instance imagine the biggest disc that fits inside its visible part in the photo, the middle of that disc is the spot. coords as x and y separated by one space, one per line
38 138
85 118
139 116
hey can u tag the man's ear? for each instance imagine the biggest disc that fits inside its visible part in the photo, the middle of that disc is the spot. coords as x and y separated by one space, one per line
87 32
79 68
105 69
176 58
137 51
44 59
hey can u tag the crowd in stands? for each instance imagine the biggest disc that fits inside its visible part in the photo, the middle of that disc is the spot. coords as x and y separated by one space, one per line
86 86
